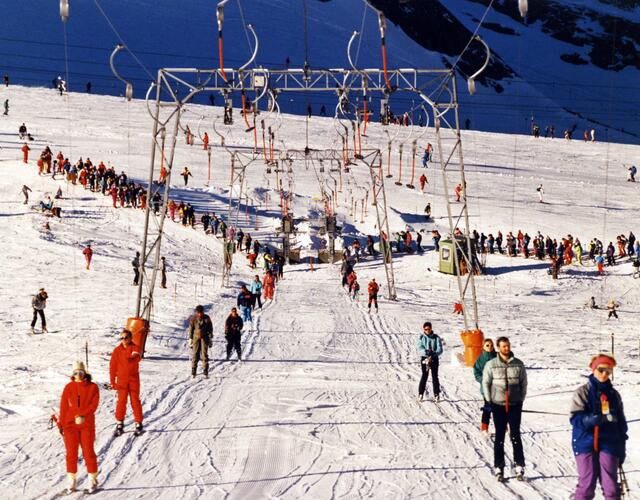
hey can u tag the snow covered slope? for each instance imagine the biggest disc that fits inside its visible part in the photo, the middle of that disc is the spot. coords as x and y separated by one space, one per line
324 405
572 64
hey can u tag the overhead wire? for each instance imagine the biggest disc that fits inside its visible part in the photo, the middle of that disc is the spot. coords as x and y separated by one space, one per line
115 31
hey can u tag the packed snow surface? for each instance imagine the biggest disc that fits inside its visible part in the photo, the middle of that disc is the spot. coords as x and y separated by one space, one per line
324 405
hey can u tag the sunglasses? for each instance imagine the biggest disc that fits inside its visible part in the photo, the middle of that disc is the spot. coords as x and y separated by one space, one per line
608 371
78 372
125 338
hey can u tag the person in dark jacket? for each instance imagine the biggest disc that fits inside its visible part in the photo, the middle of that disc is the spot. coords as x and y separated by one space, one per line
135 263
163 272
233 332
245 303
599 431
200 339
488 354
429 349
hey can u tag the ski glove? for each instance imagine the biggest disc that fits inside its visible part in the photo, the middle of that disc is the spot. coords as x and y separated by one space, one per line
591 420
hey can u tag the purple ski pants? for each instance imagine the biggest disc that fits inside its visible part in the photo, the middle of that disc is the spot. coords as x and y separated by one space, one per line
594 466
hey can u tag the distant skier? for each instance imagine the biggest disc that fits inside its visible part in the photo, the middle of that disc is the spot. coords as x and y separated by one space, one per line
632 173
458 191
233 333
25 191
39 303
88 254
599 431
423 181
540 191
200 340
256 290
488 353
186 173
6 107
244 302
612 305
78 405
124 375
429 350
22 131
372 290
163 272
205 141
135 263
25 153
504 386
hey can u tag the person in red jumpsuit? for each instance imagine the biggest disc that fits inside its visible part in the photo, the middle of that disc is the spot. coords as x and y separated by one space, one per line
125 378
88 253
78 406
205 141
25 153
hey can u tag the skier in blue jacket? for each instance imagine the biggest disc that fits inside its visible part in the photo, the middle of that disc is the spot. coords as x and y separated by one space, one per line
429 348
256 289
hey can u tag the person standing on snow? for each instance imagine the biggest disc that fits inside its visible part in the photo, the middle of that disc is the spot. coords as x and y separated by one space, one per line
124 374
38 303
78 405
200 340
186 173
256 290
25 191
430 350
504 386
488 353
423 181
163 272
599 431
88 254
540 193
25 153
6 107
372 290
612 305
233 333
245 301
135 264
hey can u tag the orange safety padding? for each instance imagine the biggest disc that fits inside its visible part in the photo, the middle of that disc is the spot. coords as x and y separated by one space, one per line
139 329
472 340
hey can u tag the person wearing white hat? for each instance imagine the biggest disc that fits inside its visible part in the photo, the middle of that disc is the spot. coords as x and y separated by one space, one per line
78 406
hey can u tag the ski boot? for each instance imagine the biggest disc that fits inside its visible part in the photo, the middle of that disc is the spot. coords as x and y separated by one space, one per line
44 329
119 429
420 398
499 474
206 375
138 430
93 483
519 472
71 483
436 398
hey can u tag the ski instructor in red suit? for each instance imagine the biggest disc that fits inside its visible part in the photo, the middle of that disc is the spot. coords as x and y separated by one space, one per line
125 378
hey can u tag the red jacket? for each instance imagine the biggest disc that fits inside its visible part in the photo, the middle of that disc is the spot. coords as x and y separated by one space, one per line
79 399
88 252
123 368
373 288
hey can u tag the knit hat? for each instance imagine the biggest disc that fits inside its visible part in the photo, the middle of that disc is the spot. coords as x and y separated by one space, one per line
602 359
79 366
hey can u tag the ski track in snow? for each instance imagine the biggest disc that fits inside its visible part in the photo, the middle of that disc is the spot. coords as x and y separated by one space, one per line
323 405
